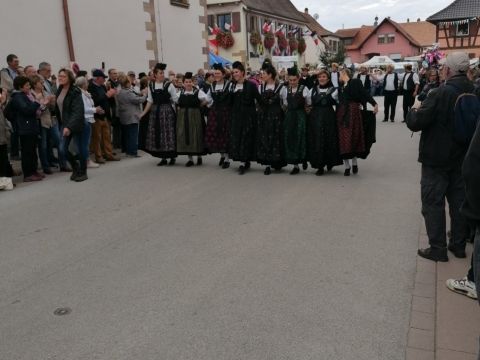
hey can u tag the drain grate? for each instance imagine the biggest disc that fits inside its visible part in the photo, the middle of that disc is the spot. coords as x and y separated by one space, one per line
62 311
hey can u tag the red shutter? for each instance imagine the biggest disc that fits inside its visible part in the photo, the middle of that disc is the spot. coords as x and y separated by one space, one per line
237 27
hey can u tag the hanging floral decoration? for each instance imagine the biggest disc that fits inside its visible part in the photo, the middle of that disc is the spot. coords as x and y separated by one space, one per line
282 41
255 38
302 46
293 43
269 40
225 39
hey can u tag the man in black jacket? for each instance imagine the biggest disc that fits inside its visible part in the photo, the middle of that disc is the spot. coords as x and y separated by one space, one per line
101 137
442 157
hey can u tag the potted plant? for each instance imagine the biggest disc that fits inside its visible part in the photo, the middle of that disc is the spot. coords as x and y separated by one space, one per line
255 38
269 40
302 46
293 42
228 40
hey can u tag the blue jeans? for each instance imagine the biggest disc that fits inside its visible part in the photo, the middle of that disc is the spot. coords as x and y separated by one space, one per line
83 141
59 142
131 138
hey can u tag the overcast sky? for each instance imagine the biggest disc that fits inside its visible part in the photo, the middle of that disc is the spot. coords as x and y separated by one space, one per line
335 14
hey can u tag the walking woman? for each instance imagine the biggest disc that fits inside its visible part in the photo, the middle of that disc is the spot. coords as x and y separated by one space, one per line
161 134
270 135
190 122
296 99
71 114
349 120
89 111
217 131
244 118
322 131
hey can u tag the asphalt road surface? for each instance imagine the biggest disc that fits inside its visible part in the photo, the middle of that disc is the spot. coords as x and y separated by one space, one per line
203 264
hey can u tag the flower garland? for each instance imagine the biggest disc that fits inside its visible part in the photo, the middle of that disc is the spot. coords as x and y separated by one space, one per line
432 57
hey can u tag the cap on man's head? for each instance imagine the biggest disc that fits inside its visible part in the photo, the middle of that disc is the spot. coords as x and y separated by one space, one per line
458 62
131 73
98 73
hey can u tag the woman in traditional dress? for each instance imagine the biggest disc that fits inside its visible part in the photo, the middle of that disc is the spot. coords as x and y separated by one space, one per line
161 134
243 118
270 135
190 122
296 98
218 123
322 132
349 119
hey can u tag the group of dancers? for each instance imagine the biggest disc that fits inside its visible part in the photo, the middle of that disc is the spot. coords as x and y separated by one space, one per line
275 124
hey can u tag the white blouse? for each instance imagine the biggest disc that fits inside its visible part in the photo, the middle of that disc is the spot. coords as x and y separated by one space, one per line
171 90
305 94
321 91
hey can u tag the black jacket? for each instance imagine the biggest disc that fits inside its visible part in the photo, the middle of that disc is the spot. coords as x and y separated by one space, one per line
435 119
25 111
72 115
308 81
100 98
471 175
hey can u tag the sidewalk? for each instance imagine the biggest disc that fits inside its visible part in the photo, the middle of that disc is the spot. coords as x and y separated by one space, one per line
443 325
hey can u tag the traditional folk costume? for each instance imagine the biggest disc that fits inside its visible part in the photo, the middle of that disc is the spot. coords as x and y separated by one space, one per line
190 123
217 131
351 129
270 133
295 101
322 131
244 121
161 134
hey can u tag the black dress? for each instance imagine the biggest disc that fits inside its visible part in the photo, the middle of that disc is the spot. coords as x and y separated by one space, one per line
243 122
322 131
217 132
270 132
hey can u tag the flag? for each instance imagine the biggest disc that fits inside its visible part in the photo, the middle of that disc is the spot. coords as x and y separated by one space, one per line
267 26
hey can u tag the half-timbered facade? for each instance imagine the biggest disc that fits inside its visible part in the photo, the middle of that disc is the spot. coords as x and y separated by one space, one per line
458 27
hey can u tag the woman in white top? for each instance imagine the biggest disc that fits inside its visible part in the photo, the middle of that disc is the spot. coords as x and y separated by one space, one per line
190 123
90 110
161 134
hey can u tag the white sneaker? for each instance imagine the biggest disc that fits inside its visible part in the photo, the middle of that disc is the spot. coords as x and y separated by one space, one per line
6 183
92 164
463 286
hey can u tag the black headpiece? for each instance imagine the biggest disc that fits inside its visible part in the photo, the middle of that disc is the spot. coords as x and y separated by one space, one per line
218 66
266 63
238 65
161 66
188 75
293 71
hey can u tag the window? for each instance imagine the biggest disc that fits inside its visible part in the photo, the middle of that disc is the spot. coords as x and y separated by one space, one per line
390 38
224 19
254 24
381 39
181 3
347 41
463 29
333 45
386 39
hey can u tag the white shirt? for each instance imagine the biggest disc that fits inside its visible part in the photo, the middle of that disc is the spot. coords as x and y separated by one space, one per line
334 78
201 96
89 107
363 78
390 82
416 79
171 90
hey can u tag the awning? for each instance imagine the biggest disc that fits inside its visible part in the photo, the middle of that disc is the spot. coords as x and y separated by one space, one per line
215 59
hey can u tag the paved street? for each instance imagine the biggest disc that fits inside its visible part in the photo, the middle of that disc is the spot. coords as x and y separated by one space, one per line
203 264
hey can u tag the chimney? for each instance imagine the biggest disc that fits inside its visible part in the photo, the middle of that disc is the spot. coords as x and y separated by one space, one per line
306 11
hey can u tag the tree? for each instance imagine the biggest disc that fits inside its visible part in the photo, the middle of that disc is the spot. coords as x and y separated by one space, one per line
328 57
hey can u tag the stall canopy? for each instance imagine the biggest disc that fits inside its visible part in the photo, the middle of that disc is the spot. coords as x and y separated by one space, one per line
378 61
215 59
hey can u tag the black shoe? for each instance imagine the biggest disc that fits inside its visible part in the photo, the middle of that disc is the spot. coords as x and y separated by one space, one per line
329 168
433 254
226 165
295 171
403 121
189 163
247 165
392 120
267 171
347 172
47 171
320 172
457 252
355 169
81 177
163 162
222 160
241 170
199 161
172 162
384 120
304 165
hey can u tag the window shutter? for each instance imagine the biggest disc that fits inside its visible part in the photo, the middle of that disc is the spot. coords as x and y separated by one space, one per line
236 22
211 23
